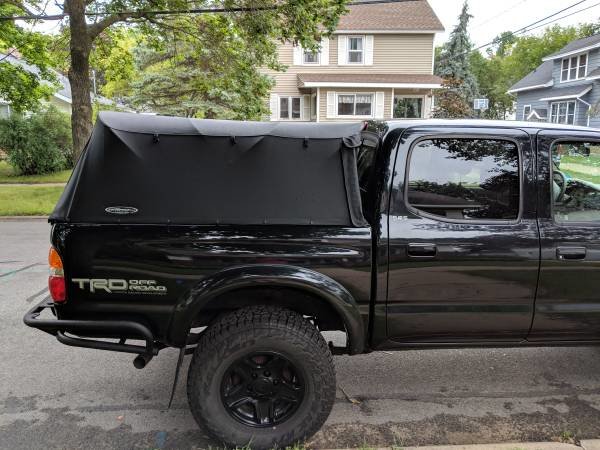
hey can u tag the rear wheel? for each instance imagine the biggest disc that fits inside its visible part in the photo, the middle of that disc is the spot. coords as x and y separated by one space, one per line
262 376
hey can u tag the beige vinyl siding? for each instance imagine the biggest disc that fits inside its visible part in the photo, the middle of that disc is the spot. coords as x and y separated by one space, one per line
392 53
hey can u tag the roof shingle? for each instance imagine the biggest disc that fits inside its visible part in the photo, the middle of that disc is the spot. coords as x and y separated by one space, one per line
409 15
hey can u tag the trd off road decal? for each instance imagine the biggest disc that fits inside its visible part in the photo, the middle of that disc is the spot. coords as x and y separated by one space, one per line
120 286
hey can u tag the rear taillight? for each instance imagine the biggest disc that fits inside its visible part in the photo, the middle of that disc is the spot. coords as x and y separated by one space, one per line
56 280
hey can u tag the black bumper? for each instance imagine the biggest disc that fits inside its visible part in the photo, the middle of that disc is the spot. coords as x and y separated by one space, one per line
96 328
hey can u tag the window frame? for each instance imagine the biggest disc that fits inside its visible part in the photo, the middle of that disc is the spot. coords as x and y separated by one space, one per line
316 63
558 103
289 99
569 68
363 39
479 137
551 197
371 94
526 116
422 97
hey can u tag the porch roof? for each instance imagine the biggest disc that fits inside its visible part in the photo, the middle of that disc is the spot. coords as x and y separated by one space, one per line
370 80
566 93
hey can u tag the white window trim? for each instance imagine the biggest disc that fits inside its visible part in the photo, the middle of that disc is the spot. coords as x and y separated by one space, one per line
289 118
423 97
373 100
577 77
558 110
526 116
363 51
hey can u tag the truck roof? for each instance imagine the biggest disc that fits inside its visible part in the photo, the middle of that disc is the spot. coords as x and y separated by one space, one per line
477 123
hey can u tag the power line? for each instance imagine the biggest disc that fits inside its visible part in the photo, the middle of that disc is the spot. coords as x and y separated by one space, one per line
500 14
552 15
531 26
183 11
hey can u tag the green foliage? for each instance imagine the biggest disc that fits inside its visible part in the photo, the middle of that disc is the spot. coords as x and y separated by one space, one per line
454 61
37 144
20 87
213 74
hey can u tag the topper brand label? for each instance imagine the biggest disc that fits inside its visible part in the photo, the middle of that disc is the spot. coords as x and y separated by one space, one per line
121 210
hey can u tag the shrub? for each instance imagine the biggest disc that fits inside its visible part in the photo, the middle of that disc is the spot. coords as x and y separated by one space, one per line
38 144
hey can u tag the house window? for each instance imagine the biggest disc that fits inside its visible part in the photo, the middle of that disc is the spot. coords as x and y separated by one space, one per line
355 105
310 57
563 112
408 107
574 68
526 112
355 49
290 108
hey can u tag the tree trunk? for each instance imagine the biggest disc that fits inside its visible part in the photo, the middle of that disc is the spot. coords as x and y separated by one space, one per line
79 75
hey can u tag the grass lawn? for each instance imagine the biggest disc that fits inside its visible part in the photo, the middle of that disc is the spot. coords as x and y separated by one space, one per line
7 175
28 200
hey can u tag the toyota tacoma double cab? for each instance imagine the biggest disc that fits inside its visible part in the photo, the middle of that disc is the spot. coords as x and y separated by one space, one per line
241 243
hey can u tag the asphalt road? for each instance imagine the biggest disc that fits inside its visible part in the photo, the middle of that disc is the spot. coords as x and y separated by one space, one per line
53 396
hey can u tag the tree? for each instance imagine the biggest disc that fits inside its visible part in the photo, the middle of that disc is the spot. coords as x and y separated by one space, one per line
450 102
259 22
19 86
454 64
213 74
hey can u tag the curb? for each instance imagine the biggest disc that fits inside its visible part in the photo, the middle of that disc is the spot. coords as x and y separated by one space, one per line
23 218
589 444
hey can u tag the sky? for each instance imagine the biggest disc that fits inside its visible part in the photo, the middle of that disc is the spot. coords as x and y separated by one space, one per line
492 17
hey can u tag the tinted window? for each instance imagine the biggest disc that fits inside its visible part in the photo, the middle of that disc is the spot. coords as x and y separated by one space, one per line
576 182
465 179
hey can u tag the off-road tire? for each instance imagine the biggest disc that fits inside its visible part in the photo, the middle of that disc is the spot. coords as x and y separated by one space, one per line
256 329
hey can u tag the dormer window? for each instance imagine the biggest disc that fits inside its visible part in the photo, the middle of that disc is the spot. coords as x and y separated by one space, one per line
574 68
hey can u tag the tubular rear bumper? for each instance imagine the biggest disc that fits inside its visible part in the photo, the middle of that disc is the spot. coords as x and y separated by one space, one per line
97 328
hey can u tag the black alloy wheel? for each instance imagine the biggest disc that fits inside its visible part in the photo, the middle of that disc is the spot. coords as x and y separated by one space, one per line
262 389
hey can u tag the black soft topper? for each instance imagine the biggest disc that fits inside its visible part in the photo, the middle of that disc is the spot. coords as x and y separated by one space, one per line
142 169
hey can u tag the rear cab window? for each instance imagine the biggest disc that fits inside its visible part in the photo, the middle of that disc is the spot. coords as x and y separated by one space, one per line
575 182
464 179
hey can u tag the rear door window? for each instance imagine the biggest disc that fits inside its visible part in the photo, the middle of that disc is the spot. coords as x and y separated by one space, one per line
576 181
464 179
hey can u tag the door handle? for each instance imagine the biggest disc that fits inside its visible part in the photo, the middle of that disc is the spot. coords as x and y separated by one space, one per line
571 253
421 250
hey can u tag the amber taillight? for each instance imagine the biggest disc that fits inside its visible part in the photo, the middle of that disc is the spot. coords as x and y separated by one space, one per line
56 280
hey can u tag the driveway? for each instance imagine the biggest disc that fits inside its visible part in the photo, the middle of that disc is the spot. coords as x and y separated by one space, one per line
53 396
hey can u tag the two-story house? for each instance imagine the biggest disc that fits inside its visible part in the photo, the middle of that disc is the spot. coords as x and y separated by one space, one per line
377 65
565 88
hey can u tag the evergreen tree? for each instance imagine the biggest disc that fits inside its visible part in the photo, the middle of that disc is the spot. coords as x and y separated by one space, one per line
454 64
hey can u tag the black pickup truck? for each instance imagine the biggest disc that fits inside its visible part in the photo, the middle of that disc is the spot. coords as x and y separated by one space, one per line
240 243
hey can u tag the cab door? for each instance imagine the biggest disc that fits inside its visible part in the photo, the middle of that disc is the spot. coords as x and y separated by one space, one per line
568 300
463 237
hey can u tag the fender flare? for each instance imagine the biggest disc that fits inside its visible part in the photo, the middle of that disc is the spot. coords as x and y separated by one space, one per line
317 284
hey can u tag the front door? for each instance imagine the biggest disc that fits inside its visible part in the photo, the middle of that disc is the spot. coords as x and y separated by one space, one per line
463 237
568 299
